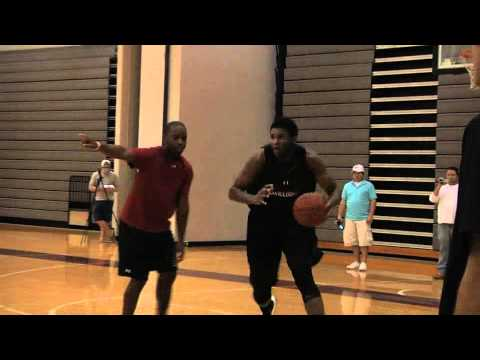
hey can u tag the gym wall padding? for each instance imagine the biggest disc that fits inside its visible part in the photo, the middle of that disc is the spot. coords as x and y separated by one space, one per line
327 93
48 96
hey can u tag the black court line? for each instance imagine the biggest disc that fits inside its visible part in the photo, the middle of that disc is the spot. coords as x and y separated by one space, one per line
329 289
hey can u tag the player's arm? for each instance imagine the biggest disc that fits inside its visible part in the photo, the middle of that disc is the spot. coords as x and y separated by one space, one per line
113 151
435 196
250 170
372 195
182 212
182 216
326 182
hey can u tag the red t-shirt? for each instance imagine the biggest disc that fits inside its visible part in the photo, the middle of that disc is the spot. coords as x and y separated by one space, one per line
156 189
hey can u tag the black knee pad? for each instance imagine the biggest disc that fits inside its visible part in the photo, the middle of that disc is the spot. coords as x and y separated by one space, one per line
307 297
309 292
305 282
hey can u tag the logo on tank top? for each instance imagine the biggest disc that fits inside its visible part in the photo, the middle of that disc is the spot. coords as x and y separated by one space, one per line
282 194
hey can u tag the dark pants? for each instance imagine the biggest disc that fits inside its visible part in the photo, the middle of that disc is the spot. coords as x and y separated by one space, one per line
266 240
460 247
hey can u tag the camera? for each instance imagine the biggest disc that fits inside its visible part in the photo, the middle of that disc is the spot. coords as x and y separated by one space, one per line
339 224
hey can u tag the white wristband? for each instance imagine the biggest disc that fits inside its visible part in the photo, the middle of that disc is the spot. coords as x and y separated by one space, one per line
99 144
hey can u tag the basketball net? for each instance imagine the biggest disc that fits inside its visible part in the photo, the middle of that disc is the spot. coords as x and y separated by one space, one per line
473 75
473 69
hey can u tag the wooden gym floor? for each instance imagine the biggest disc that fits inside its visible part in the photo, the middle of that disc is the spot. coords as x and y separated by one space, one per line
59 272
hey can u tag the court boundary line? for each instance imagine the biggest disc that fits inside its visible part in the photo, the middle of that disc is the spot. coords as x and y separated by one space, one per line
330 289
53 311
19 312
5 275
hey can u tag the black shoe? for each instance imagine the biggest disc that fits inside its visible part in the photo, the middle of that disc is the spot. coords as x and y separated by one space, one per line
317 256
270 308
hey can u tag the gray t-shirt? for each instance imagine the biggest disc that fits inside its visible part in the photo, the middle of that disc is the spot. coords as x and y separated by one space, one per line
110 179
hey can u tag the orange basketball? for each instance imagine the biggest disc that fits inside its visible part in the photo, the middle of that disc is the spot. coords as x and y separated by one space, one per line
309 209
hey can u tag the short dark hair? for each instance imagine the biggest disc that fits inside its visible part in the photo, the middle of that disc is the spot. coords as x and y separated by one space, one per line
286 124
453 168
173 124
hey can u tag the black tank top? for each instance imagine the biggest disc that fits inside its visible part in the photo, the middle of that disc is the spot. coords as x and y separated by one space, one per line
289 179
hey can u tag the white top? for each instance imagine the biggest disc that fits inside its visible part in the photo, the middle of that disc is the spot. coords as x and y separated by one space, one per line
447 203
108 181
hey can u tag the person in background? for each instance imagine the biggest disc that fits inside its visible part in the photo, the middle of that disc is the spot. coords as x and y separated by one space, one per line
445 196
104 184
358 205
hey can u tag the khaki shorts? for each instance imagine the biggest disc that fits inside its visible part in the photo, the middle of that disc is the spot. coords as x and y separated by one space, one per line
357 233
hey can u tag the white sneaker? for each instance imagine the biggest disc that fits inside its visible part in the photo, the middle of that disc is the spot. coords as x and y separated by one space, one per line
355 274
362 267
353 266
274 300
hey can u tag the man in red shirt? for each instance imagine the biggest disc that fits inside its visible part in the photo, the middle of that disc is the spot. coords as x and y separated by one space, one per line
160 189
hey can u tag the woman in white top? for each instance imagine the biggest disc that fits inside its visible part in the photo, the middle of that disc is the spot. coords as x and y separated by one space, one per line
104 183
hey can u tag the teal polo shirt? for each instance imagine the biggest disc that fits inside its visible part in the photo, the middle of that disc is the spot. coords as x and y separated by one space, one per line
357 199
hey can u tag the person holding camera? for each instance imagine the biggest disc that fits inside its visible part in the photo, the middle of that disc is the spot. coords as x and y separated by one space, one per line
103 183
445 196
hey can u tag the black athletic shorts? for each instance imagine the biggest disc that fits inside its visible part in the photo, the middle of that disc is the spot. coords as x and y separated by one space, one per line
103 210
268 238
141 252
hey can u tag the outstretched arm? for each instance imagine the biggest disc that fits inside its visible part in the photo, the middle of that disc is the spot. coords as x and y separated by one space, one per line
113 151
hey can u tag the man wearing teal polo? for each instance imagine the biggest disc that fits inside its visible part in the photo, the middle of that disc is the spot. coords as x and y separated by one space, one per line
359 200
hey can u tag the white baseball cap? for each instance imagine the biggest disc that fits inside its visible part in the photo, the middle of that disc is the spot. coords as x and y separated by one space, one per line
106 163
358 168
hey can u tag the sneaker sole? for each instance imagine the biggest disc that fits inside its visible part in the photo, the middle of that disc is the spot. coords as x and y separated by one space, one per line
274 299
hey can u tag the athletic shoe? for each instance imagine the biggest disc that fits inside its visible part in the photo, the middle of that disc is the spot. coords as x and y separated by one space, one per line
353 266
353 273
270 308
362 267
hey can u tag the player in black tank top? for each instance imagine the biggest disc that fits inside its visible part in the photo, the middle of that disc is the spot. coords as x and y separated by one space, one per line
269 184
289 179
